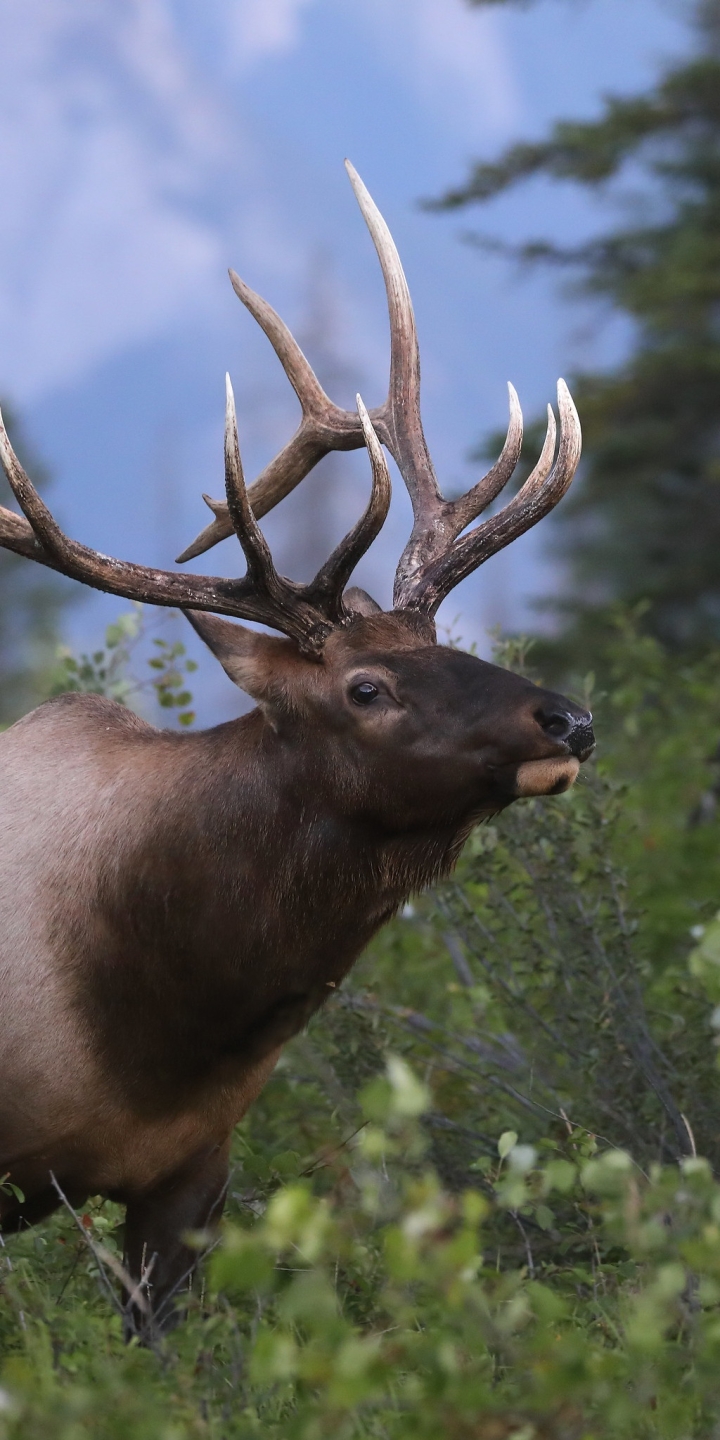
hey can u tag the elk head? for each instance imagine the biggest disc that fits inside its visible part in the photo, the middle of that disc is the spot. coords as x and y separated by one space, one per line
414 730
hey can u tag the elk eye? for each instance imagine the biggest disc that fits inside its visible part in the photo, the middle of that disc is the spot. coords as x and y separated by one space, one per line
365 693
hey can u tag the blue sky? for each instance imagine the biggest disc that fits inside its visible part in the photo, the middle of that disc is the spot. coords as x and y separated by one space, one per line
145 145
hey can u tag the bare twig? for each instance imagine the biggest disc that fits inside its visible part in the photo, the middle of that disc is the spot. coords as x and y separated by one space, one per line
98 1252
688 1127
103 1257
329 1155
528 1252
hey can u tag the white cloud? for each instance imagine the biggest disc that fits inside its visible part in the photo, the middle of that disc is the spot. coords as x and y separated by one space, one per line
124 162
456 58
108 139
258 28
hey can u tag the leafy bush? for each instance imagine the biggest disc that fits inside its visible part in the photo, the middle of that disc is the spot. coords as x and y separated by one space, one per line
108 671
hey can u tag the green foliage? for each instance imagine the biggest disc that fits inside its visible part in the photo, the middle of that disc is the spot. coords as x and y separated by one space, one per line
644 521
453 1345
169 682
108 671
661 715
105 671
705 961
467 1205
379 1309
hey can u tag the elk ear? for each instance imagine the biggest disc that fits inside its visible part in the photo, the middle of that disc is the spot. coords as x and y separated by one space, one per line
358 602
252 660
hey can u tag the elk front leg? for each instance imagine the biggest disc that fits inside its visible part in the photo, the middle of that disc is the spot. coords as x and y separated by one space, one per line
156 1221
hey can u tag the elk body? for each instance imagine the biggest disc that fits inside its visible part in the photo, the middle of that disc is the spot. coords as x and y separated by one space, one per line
174 907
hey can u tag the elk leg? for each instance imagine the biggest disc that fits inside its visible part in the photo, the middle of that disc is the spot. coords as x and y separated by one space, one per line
156 1221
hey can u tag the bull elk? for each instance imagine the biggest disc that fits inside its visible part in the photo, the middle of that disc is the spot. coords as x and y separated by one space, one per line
174 907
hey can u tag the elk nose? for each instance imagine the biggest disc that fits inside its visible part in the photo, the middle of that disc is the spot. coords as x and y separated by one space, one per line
574 729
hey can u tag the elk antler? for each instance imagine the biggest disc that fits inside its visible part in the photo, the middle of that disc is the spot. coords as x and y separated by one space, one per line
435 559
307 613
438 555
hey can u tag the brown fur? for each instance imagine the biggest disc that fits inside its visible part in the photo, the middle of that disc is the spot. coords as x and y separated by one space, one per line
174 907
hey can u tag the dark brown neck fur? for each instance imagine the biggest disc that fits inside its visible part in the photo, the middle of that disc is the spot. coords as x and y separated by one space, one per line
224 917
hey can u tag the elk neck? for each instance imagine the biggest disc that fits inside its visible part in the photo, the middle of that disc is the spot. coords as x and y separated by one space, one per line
251 878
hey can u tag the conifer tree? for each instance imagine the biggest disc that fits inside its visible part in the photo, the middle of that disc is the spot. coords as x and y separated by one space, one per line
644 522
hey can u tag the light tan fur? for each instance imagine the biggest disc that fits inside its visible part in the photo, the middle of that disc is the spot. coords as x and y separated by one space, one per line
58 1111
546 777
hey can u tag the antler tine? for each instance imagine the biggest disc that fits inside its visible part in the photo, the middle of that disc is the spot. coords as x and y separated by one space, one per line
273 601
300 373
330 581
322 598
401 412
434 532
324 426
467 507
42 524
437 521
306 612
260 568
544 487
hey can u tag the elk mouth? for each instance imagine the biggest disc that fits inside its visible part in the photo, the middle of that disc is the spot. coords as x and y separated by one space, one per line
546 777
555 774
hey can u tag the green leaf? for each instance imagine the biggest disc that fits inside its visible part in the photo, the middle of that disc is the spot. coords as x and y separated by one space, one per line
483 1165
560 1175
409 1097
240 1264
544 1217
11 1189
506 1142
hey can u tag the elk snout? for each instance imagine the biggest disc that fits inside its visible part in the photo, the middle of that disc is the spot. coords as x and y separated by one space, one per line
570 727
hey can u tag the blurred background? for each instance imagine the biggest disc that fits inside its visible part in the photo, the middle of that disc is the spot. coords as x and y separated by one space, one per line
550 172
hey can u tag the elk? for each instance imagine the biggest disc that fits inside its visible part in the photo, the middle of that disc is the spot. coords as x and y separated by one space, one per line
174 907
